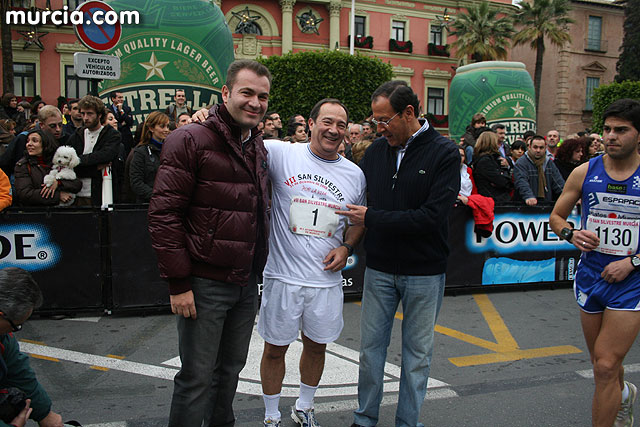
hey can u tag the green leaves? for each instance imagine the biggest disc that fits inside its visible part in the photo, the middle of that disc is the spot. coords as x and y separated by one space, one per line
628 65
606 94
481 33
303 78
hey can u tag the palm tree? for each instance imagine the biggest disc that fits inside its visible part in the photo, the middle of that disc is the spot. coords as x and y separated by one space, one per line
481 34
539 19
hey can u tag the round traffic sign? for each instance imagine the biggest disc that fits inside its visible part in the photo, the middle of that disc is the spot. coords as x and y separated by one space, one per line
96 37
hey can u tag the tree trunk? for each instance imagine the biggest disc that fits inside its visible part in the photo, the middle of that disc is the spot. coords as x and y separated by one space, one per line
537 75
7 52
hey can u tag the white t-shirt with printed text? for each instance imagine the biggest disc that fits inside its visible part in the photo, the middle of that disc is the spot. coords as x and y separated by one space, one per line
314 186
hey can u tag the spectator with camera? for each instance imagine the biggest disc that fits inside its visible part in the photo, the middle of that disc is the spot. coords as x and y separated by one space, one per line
19 296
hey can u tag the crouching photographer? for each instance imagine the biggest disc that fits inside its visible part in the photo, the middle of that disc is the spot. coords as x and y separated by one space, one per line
21 395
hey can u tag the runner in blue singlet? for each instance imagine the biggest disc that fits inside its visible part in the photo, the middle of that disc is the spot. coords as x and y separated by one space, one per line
607 284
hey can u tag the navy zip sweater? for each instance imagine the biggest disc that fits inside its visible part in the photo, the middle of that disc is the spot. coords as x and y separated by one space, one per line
408 216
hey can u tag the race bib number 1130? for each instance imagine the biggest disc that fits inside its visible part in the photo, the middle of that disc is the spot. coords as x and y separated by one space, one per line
617 236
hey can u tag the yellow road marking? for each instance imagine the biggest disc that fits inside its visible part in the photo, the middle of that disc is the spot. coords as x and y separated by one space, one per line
37 356
33 342
113 356
99 368
504 349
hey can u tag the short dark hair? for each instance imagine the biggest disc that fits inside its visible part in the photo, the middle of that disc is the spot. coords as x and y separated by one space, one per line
535 137
114 93
6 99
478 118
315 111
518 145
19 293
626 109
49 144
528 134
245 64
497 126
72 101
93 103
400 96
182 114
293 127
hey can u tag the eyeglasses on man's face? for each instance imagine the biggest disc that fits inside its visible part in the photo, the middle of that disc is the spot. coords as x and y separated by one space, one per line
14 327
384 123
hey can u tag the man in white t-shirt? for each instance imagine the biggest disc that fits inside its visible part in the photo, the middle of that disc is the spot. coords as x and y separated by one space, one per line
307 251
97 146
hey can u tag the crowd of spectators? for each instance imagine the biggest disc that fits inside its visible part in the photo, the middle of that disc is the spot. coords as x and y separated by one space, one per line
531 170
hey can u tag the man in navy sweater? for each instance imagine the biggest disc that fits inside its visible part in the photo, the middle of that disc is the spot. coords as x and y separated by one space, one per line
413 179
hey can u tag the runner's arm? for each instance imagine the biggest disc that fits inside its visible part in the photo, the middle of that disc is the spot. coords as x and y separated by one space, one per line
582 239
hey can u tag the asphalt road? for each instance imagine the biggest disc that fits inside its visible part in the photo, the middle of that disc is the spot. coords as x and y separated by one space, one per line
500 359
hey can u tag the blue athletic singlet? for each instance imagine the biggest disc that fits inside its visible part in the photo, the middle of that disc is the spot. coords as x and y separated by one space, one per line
611 209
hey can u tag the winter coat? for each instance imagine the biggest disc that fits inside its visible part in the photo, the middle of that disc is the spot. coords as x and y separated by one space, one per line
104 152
29 176
15 371
208 212
142 171
525 175
492 180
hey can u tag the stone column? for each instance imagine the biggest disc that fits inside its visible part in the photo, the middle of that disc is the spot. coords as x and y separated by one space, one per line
334 23
287 25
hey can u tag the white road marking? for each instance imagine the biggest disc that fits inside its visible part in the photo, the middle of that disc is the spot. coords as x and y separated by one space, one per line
340 377
85 319
113 424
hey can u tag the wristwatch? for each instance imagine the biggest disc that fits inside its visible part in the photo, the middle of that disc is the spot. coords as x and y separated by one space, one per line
349 248
567 234
635 261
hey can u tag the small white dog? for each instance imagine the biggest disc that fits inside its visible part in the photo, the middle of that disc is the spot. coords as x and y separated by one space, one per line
64 160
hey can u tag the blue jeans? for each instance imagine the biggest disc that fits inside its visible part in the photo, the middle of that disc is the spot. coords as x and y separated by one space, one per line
213 350
421 298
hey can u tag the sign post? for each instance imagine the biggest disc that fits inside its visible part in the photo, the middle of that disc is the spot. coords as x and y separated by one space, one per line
97 38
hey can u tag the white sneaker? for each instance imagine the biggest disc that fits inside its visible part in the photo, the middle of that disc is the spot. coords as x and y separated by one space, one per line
305 418
625 413
270 422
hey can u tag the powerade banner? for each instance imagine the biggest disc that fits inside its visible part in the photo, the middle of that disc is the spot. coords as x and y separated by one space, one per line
521 249
177 45
61 250
502 91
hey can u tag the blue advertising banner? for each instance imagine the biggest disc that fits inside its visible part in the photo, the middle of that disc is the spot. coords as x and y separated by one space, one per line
62 251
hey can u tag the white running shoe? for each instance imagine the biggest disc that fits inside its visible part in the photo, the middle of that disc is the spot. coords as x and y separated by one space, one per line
304 418
625 414
270 422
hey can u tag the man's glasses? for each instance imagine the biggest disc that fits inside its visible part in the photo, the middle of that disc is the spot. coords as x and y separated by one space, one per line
14 327
384 123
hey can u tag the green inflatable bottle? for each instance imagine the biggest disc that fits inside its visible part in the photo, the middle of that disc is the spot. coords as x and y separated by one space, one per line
502 91
183 44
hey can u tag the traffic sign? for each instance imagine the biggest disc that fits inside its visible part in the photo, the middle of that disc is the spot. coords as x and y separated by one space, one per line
96 66
100 38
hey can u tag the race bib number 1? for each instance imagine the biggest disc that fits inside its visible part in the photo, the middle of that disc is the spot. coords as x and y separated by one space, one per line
313 217
617 236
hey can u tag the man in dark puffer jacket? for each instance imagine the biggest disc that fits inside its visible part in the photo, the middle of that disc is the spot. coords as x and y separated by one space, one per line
209 225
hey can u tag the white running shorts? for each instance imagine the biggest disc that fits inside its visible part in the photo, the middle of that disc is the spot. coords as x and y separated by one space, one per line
287 309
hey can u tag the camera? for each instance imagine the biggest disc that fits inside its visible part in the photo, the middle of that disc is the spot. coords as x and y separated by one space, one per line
12 401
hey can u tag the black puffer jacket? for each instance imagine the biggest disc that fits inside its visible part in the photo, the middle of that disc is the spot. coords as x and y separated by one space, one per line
207 215
142 171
